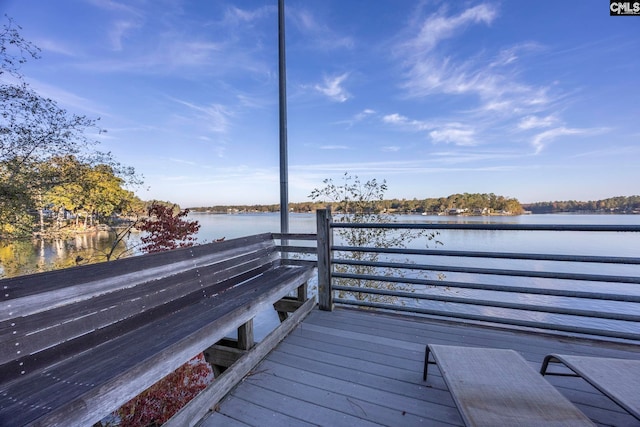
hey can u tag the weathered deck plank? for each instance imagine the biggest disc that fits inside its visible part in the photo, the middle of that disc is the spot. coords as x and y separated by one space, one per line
366 367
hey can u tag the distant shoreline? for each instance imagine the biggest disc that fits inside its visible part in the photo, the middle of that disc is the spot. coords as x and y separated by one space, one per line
249 212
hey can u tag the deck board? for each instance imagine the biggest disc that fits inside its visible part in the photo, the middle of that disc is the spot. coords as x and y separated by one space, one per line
361 368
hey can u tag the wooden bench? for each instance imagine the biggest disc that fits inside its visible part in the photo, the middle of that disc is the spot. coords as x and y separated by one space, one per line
618 379
76 344
496 387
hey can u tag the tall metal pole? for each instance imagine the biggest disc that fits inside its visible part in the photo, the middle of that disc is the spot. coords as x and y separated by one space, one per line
284 173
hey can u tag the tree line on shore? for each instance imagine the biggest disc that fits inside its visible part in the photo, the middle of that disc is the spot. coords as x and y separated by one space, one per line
466 203
620 204
456 203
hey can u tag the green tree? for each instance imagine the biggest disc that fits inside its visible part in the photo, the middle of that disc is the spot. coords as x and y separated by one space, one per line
355 201
34 130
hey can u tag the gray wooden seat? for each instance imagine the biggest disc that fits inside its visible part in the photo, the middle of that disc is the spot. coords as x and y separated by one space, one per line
76 344
496 387
618 379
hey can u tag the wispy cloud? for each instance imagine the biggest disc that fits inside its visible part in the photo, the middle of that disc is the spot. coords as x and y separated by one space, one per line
629 151
235 14
112 5
489 83
543 138
454 134
393 167
231 44
191 52
128 18
438 27
493 81
390 149
183 161
214 116
334 147
448 133
406 123
358 117
318 34
332 87
67 99
364 114
49 45
511 54
532 122
118 32
473 156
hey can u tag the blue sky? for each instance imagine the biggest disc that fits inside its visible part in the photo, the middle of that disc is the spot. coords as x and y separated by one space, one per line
536 100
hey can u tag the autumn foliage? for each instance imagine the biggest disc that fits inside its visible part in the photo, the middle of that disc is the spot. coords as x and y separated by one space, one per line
157 404
166 231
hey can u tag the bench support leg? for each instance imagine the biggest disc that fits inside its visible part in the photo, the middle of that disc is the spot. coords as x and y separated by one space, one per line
245 336
290 304
302 292
225 352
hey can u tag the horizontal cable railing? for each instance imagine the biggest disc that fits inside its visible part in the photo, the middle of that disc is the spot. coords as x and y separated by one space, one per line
503 255
566 292
491 271
491 227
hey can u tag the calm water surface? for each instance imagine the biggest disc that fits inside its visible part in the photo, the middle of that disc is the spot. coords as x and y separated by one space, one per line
31 256
38 255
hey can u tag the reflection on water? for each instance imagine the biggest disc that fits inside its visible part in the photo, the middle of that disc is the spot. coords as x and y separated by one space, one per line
37 255
30 256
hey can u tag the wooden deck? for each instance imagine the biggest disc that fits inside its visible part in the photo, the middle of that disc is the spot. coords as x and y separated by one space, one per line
364 368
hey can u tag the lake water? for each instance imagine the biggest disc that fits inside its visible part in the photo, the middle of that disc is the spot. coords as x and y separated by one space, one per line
17 258
33 256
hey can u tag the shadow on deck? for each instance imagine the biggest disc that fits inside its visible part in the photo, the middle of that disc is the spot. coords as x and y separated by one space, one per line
354 367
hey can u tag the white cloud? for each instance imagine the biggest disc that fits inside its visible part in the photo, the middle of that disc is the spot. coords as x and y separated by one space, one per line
542 139
364 114
395 118
532 122
235 14
450 133
439 27
494 81
454 134
332 88
406 123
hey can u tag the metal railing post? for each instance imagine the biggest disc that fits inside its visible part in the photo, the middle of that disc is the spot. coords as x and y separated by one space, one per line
325 241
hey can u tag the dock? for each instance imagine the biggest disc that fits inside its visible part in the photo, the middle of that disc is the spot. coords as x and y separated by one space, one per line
357 367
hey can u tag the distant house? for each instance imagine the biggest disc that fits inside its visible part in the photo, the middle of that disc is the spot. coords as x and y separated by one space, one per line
481 211
456 211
